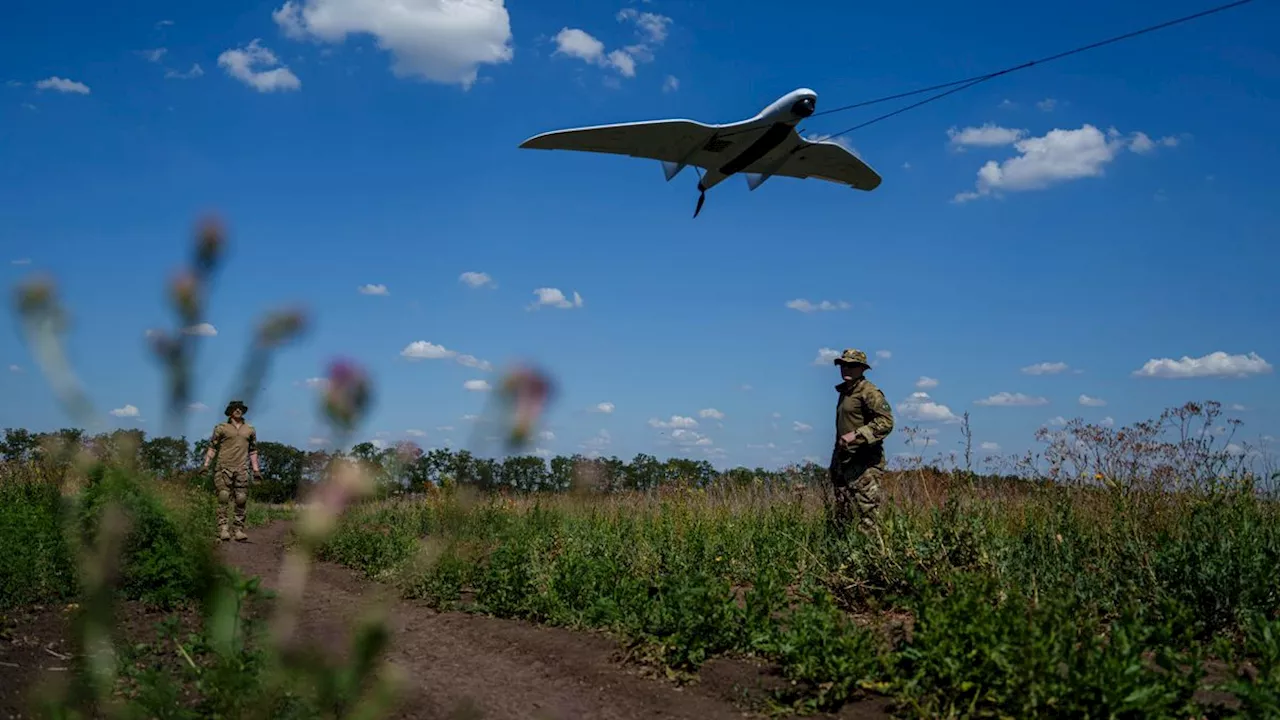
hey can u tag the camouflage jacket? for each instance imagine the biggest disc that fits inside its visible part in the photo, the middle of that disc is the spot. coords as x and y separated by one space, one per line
234 444
862 408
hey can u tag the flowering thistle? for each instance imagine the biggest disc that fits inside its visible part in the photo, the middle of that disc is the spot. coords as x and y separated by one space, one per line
37 297
526 391
184 291
347 394
209 245
281 327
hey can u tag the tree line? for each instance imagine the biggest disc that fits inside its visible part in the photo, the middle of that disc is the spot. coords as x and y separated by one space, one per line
287 471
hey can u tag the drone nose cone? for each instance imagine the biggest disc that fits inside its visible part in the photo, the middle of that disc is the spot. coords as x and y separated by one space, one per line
804 107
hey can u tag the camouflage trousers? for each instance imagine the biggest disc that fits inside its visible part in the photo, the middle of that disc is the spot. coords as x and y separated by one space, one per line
857 491
232 485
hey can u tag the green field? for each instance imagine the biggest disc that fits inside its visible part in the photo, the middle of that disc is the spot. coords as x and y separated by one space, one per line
975 596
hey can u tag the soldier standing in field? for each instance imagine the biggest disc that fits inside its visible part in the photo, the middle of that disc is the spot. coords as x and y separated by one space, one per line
235 443
863 420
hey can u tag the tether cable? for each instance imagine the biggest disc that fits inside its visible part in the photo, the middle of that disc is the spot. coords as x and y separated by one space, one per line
958 85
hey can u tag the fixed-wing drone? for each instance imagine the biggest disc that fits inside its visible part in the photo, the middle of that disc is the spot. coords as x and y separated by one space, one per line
761 147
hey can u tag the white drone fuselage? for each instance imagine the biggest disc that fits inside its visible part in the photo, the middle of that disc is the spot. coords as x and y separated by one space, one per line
760 147
764 141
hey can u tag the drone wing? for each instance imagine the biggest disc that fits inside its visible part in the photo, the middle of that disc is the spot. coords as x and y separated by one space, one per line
826 160
672 141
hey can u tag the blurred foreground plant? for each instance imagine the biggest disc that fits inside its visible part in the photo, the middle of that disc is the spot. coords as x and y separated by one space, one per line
246 676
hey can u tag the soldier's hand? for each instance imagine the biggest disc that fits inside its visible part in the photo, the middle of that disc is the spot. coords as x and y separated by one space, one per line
849 440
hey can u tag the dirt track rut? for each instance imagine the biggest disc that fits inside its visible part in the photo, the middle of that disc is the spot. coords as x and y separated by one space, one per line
500 668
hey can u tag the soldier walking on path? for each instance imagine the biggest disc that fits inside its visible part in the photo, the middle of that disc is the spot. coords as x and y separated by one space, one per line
863 420
235 443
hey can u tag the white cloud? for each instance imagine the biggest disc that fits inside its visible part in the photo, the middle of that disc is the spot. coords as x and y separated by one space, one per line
989 446
316 382
689 438
126 411
553 297
825 305
15 368
415 433
652 25
197 407
195 72
801 427
472 361
988 135
582 45
374 290
476 279
595 444
711 413
922 408
884 354
1108 421
826 356
202 329
671 84
547 435
1057 156
434 40
1005 399
1047 104
155 55
1045 368
254 66
676 421
926 383
652 28
63 85
1142 143
423 350
1092 401
477 385
604 407
1217 364
20 261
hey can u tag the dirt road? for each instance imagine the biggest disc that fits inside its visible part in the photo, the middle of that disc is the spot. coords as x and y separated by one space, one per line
456 665
503 669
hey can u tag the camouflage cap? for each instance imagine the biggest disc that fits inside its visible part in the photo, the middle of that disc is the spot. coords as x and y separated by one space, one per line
235 404
851 357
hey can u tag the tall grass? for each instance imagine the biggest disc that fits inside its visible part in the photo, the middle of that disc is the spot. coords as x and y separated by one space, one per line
968 599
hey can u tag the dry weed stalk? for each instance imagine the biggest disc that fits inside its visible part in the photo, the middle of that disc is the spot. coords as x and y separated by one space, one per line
91 690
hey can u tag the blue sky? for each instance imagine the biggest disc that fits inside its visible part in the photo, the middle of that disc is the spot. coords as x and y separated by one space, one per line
1108 212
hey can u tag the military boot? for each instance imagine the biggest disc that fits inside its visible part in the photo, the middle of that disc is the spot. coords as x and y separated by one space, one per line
240 536
223 534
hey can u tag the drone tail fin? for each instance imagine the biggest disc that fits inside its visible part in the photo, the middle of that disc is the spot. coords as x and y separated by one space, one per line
755 180
671 169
